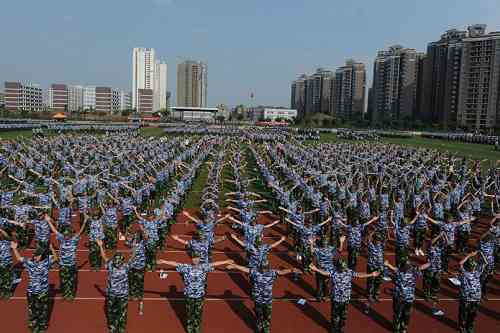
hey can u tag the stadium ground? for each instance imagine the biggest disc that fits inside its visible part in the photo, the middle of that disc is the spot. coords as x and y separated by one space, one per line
228 307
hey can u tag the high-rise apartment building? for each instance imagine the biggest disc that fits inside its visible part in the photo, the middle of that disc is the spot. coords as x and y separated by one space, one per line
350 91
192 84
149 73
144 66
319 92
298 99
394 85
441 79
160 88
479 86
26 97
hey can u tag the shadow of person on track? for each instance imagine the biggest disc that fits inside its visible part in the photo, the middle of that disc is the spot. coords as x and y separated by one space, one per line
373 314
488 311
237 277
310 311
240 309
52 294
422 307
177 304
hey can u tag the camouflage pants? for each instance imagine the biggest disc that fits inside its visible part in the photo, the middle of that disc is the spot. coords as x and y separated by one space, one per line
6 278
110 238
352 257
150 257
263 317
373 283
68 276
445 256
419 238
116 313
432 284
162 235
462 240
194 312
136 283
62 228
126 223
305 251
338 316
42 246
402 311
401 255
486 277
321 286
95 258
24 236
466 315
38 312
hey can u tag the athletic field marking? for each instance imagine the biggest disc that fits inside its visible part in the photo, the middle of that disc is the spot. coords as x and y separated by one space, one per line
57 298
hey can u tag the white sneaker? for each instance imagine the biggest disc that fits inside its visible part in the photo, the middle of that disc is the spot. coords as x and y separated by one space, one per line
416 252
437 312
454 281
387 278
16 281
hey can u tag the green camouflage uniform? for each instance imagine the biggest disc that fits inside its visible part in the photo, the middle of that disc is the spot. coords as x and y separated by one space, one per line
263 316
6 278
69 281
194 309
116 313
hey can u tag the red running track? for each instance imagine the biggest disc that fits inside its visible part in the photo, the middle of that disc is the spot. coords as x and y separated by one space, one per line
228 307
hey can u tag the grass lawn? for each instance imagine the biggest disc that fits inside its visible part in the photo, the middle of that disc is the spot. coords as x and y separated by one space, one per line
470 150
25 134
151 131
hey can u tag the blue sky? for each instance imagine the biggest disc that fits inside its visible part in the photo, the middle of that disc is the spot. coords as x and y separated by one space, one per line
253 45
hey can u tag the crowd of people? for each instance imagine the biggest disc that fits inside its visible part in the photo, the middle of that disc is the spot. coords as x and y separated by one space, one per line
365 197
357 135
465 137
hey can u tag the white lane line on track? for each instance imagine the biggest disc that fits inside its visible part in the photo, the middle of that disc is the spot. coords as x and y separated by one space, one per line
212 252
21 298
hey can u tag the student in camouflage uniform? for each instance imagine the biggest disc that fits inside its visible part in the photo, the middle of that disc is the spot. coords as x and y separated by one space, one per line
405 281
117 290
68 271
195 279
326 258
470 292
375 263
341 280
149 227
487 244
355 231
96 234
7 275
432 275
136 273
38 287
263 278
110 222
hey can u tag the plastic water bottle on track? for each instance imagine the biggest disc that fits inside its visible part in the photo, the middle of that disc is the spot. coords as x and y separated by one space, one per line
141 308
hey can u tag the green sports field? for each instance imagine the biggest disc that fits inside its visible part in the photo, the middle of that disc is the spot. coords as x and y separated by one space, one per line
470 150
